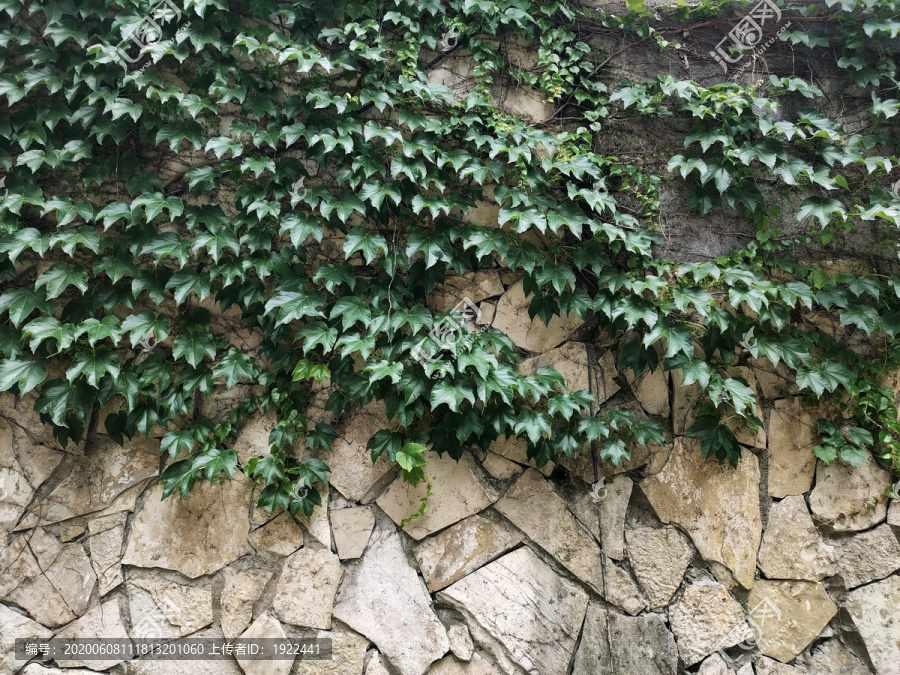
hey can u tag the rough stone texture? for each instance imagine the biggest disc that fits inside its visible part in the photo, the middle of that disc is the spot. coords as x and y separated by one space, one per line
874 611
461 549
791 546
348 655
165 609
593 656
572 362
516 449
717 505
351 529
714 665
767 666
621 589
281 535
522 612
833 658
452 666
317 524
500 467
651 390
705 619
641 644
612 515
352 471
788 615
241 588
455 494
99 480
384 599
106 536
460 641
531 334
893 517
265 626
103 621
66 567
533 506
192 667
842 495
253 438
868 556
24 465
376 664
473 286
306 589
659 558
217 515
15 625
792 437
23 582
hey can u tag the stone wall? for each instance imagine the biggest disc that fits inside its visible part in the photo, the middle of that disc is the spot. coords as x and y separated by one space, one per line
677 564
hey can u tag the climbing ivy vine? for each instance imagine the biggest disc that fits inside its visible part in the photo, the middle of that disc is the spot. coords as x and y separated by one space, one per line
171 164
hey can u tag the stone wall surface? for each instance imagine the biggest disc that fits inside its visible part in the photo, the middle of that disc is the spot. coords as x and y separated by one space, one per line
782 565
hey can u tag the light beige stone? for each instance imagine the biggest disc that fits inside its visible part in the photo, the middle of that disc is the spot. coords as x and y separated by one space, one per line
306 589
154 666
24 465
103 621
714 665
216 515
705 619
651 390
240 590
613 506
376 664
571 360
621 589
788 615
521 611
14 625
843 495
716 504
773 382
535 508
450 555
792 437
766 666
531 335
791 546
383 598
106 472
473 286
874 611
107 533
23 582
515 449
659 558
173 610
500 467
281 535
833 658
893 517
352 471
594 654
868 556
265 626
450 665
348 655
456 493
253 438
461 644
71 532
351 529
66 567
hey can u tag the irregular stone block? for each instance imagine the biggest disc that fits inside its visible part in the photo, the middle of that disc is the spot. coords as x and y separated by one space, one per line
164 609
14 625
67 568
107 533
281 535
103 621
716 504
241 588
265 626
621 589
456 493
659 558
833 658
500 467
531 334
533 506
452 666
868 556
705 619
788 615
791 546
572 362
792 437
461 549
874 611
24 583
219 514
515 449
613 507
352 529
642 644
521 611
348 655
383 598
306 589
842 495
594 655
